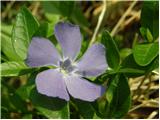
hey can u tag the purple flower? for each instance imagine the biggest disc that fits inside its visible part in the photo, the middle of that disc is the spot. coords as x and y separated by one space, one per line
67 77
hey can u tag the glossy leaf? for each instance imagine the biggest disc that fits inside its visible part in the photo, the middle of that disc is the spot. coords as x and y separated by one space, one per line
85 109
125 52
122 100
120 103
145 32
6 43
78 17
149 17
67 9
130 63
153 65
131 70
45 30
52 18
24 91
111 88
112 53
56 7
49 106
14 68
145 53
23 30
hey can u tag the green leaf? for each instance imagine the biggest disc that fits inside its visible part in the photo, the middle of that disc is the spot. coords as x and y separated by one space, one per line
120 103
3 58
64 8
145 32
122 108
23 30
67 9
78 17
149 36
45 30
27 116
145 53
122 99
150 17
111 88
25 90
85 109
18 102
14 68
6 29
6 43
4 112
52 18
6 103
84 47
12 100
131 70
153 65
112 53
49 106
130 63
125 52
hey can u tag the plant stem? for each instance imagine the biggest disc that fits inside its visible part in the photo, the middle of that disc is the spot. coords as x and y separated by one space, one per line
139 86
35 8
100 19
115 29
7 9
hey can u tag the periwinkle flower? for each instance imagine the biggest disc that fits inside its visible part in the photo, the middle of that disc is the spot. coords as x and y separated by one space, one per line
68 76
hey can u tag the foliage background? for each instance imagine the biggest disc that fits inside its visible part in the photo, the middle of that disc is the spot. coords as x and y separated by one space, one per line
123 20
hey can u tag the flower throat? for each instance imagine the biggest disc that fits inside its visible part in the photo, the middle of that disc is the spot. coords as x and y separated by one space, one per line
66 66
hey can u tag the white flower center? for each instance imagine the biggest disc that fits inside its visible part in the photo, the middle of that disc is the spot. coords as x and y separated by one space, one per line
66 67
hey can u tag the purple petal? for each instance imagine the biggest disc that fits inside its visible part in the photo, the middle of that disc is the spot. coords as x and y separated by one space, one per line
69 37
42 52
83 89
51 83
93 63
